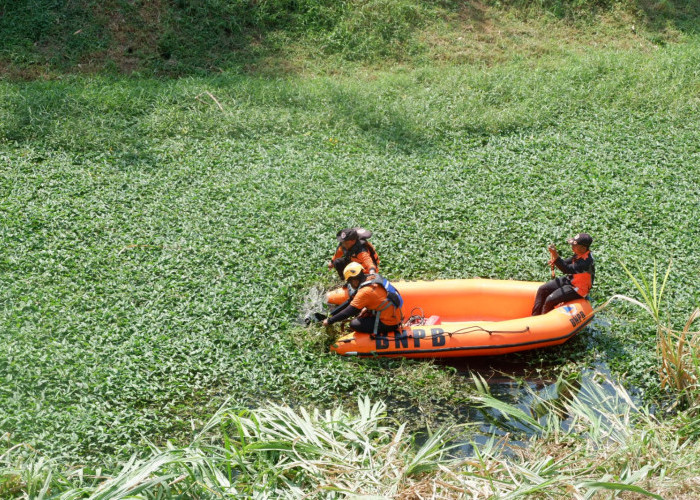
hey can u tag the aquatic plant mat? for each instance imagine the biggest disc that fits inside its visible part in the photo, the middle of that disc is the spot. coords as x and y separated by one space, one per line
589 438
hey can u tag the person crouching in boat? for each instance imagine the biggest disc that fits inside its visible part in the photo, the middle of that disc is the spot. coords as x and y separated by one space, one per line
580 273
376 304
354 247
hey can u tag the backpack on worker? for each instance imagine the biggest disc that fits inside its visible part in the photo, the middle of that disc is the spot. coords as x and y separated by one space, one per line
362 244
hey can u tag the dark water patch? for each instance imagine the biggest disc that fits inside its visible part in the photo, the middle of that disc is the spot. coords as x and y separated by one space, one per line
536 391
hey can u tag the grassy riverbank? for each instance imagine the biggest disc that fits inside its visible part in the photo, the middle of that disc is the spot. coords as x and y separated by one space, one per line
587 439
45 38
159 236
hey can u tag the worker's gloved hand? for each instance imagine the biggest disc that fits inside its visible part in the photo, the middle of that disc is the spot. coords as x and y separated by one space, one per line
337 262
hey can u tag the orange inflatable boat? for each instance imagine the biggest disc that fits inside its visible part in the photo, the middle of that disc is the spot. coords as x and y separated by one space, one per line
470 317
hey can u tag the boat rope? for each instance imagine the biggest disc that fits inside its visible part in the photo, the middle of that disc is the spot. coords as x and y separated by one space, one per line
477 328
472 329
461 331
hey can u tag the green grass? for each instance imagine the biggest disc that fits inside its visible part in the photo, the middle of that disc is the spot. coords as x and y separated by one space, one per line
46 38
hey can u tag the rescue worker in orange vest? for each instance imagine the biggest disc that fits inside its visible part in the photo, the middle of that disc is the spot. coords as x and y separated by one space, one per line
354 247
375 296
580 274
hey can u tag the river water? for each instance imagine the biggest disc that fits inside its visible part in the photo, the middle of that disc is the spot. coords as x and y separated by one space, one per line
513 382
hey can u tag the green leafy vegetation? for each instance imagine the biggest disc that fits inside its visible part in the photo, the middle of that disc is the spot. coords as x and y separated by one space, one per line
159 236
590 438
678 350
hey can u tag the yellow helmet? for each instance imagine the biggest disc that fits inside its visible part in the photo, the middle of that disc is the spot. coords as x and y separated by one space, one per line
353 270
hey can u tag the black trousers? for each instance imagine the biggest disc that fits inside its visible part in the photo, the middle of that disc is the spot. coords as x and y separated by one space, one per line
366 325
552 293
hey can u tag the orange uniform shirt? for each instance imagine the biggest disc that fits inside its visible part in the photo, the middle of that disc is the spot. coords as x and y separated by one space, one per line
372 297
581 271
363 258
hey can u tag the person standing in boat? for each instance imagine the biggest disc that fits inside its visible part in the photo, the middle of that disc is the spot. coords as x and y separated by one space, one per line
354 247
580 274
376 304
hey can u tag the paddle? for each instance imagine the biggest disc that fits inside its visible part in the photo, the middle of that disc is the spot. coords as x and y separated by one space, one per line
553 253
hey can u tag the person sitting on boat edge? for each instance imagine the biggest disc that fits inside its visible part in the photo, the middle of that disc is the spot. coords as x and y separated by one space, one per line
376 296
354 247
580 274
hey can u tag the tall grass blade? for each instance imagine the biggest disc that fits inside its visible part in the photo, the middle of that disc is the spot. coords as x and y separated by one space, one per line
595 486
652 294
428 457
510 412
